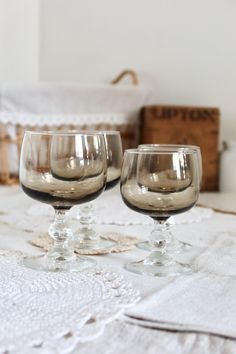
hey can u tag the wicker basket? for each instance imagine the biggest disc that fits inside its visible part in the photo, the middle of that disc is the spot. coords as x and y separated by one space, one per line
11 132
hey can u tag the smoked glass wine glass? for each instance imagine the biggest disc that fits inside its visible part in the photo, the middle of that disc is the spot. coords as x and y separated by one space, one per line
175 246
62 169
87 237
160 183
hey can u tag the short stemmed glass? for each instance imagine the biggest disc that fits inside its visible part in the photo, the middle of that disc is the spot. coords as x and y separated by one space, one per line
62 169
87 237
160 184
175 246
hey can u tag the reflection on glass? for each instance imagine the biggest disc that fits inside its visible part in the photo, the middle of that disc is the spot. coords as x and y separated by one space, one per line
175 246
160 184
63 170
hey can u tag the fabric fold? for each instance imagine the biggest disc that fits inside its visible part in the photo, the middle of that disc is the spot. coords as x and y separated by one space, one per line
203 302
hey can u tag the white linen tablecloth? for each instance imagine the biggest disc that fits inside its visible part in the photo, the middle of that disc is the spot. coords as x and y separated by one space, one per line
173 311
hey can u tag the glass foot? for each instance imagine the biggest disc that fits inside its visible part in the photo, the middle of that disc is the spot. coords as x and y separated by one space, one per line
163 268
45 263
86 233
86 238
96 245
174 246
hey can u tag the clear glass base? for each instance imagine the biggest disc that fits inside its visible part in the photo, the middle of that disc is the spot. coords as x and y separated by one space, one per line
87 238
159 266
86 233
174 247
45 263
96 245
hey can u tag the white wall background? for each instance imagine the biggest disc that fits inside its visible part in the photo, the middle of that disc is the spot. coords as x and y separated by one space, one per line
19 39
184 50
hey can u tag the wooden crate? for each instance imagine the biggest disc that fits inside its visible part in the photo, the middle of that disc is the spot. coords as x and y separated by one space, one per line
162 124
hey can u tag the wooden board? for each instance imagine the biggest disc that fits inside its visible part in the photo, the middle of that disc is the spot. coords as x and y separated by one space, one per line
161 124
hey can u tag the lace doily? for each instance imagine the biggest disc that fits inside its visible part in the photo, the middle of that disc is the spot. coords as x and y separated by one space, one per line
26 119
44 311
120 214
122 243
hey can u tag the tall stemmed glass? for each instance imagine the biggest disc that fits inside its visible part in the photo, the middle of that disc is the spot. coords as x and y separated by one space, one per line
160 184
175 246
62 169
87 237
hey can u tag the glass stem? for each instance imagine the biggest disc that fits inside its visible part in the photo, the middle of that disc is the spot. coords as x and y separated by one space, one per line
86 214
160 237
61 233
86 218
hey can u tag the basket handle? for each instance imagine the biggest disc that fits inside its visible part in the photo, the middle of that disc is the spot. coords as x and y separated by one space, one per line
128 72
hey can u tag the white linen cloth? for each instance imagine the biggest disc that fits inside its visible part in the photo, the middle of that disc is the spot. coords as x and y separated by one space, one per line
128 338
202 302
69 103
57 104
41 311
